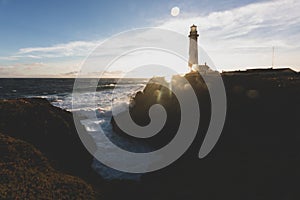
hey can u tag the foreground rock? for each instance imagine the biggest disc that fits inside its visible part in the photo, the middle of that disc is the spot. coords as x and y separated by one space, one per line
49 129
26 174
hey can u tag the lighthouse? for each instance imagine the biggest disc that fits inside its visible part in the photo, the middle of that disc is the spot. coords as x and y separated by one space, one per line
193 50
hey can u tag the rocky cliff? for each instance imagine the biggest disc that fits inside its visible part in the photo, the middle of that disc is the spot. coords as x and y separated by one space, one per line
257 155
26 174
51 130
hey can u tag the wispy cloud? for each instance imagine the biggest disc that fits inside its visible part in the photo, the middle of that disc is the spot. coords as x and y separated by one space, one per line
75 48
257 19
21 69
8 58
71 74
237 37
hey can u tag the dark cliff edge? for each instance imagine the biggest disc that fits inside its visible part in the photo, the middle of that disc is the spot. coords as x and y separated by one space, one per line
51 130
256 157
258 153
26 174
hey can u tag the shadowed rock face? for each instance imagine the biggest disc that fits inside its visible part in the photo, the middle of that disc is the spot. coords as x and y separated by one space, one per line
258 153
256 157
49 129
26 174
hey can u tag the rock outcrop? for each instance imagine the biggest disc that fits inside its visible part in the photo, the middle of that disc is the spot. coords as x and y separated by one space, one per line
257 155
26 174
49 129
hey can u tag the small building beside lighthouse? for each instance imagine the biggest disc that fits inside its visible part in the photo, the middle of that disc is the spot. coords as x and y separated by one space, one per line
193 52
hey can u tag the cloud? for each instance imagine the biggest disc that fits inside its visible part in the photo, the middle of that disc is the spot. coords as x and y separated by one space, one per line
71 74
8 58
57 69
237 37
115 74
16 65
240 22
75 48
96 74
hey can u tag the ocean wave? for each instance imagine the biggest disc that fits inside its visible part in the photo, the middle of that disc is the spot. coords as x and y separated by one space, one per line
90 103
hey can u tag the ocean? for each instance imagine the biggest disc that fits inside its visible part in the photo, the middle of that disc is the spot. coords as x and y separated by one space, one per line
58 92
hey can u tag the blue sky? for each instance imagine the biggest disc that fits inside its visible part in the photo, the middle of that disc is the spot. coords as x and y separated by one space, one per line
52 38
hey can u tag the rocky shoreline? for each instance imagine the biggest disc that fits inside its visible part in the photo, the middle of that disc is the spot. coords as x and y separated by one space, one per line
51 131
256 157
26 174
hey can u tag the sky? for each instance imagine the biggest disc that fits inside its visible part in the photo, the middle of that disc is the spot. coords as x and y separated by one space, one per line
52 38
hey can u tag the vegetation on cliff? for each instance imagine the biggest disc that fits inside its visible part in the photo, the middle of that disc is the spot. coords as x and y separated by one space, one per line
49 129
26 174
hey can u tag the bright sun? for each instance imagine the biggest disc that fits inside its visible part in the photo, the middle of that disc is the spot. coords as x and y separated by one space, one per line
175 11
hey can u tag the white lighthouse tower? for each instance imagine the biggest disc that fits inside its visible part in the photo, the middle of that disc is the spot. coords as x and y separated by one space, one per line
193 50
